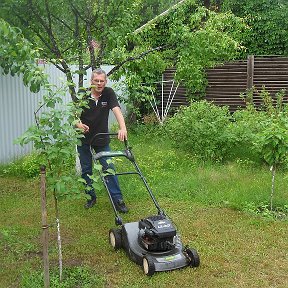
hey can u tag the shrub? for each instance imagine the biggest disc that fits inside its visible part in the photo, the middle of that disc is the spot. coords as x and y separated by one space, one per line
251 128
243 130
201 128
28 166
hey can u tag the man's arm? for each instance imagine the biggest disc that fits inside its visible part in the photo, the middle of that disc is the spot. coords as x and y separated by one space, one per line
122 133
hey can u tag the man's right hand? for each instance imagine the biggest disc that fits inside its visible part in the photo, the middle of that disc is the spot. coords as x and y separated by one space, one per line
83 127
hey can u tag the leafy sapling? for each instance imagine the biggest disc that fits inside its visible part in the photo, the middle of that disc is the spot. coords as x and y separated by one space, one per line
272 141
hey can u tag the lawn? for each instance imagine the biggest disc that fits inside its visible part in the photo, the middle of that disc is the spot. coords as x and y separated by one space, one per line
237 248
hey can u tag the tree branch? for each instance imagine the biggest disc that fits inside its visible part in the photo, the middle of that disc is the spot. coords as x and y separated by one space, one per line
76 12
48 15
54 49
129 59
27 23
62 22
149 23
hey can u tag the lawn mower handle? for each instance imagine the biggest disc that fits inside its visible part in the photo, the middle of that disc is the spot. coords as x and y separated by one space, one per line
107 134
129 155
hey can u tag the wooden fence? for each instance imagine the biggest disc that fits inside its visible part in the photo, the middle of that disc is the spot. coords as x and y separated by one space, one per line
226 82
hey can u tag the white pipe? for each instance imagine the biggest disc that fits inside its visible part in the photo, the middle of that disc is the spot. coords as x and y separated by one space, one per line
165 112
172 100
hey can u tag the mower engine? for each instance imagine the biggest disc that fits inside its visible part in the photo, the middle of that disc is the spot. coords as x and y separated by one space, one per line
156 233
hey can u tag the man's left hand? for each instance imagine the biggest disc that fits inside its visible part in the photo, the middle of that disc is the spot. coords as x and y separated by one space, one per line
122 134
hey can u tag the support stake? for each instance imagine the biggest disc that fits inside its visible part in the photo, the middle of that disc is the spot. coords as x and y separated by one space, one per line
44 227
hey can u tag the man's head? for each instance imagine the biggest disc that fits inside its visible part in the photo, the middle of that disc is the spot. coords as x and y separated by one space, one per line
98 80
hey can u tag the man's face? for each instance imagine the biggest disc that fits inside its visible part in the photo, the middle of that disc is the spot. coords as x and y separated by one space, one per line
99 81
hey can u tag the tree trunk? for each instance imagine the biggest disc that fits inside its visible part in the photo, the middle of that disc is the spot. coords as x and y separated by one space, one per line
70 81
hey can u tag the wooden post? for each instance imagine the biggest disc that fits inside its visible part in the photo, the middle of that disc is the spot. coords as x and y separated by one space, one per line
44 227
250 72
250 80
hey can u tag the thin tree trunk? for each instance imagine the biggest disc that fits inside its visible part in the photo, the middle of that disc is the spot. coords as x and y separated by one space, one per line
80 53
273 186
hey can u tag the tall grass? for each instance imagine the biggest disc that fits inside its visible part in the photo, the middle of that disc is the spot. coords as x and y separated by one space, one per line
179 175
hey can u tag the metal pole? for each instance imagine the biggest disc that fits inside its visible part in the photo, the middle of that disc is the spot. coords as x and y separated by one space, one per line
44 227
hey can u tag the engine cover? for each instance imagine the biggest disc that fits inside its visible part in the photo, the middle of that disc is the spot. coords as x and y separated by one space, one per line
156 233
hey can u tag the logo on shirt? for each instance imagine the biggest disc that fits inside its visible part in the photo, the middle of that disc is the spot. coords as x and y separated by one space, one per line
104 104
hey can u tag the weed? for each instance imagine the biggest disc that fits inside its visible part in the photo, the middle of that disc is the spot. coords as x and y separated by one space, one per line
83 277
264 210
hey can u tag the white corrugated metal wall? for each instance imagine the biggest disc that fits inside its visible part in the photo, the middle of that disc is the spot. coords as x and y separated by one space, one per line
17 106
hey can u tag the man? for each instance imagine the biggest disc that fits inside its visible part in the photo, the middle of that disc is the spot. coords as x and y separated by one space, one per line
93 120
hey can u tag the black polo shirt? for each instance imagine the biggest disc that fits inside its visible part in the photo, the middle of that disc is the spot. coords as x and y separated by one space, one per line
96 116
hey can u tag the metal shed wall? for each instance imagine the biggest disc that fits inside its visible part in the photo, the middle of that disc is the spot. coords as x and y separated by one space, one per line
17 106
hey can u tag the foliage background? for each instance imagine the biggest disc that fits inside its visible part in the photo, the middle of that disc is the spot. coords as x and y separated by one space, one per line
191 37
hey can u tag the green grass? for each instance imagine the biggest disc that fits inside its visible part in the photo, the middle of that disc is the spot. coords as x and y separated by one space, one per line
207 202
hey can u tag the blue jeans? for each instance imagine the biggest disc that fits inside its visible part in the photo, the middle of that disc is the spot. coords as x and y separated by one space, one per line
86 162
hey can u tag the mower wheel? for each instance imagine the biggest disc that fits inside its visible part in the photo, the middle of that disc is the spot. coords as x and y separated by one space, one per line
115 238
193 257
148 266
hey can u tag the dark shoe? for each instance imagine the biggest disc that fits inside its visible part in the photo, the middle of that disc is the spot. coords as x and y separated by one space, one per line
120 206
90 203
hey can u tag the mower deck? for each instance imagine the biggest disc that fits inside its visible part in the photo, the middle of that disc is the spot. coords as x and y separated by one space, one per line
126 237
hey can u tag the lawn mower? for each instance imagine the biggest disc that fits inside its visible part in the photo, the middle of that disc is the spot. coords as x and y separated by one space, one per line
151 242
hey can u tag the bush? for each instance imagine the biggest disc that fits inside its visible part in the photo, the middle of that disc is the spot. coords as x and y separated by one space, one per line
243 131
27 166
253 128
202 129
211 133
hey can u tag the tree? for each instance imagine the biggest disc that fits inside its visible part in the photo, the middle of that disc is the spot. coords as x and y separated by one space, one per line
188 37
272 142
211 4
17 56
72 31
151 8
268 33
